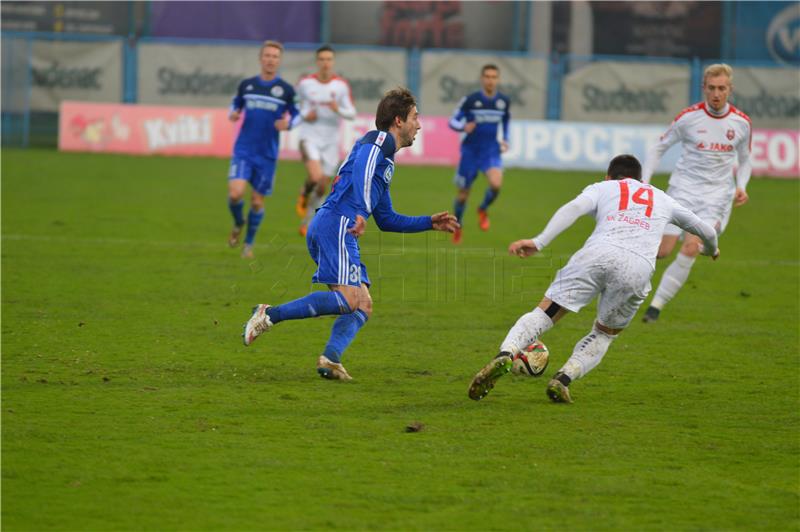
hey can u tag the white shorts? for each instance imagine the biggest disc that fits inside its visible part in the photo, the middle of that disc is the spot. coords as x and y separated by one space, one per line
326 153
716 212
619 277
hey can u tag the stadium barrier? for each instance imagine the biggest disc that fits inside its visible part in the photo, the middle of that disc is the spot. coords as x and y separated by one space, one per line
150 130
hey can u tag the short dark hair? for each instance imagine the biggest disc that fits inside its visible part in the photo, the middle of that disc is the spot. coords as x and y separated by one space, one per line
396 102
623 166
325 48
490 66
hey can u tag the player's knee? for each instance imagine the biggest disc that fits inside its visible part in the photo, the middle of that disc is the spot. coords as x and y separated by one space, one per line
366 307
662 253
463 195
257 203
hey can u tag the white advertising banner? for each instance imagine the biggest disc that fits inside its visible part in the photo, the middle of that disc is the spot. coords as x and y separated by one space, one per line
447 77
207 76
625 92
769 96
83 71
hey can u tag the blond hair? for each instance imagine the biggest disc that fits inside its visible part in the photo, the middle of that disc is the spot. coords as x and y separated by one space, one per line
718 69
270 44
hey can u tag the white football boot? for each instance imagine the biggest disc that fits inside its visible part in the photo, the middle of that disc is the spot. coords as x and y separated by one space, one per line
258 323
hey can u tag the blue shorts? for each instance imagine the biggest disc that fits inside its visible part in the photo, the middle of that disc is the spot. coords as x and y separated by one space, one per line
259 174
335 251
474 161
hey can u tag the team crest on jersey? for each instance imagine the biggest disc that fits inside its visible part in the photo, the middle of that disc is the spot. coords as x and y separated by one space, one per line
276 91
387 175
730 134
500 104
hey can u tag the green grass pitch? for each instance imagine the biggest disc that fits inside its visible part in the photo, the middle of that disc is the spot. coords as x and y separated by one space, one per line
129 402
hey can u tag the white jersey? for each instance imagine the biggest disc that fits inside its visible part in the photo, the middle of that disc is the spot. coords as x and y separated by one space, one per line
317 95
630 215
711 146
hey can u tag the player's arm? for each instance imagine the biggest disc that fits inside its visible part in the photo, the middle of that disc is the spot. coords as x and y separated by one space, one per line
506 121
286 123
462 120
671 136
564 217
689 221
307 111
237 104
744 171
344 103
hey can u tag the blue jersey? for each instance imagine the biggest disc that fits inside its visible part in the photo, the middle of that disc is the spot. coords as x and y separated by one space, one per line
362 186
264 102
488 113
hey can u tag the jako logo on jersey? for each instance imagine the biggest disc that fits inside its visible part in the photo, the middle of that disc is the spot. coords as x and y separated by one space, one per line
248 88
730 134
700 146
478 104
276 91
783 35
715 146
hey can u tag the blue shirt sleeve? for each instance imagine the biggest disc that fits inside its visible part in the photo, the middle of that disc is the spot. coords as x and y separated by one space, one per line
390 221
367 159
237 104
506 119
459 118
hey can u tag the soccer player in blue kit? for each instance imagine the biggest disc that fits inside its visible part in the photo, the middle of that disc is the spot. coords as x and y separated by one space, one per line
479 115
267 100
359 191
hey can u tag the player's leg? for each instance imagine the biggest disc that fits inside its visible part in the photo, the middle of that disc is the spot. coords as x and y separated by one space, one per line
626 285
495 177
328 162
261 181
344 330
466 173
237 185
326 240
525 331
674 276
313 174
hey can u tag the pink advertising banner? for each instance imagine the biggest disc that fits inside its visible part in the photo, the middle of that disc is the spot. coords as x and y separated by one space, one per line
161 130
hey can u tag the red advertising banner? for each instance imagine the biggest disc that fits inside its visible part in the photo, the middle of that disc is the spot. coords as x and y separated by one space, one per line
161 130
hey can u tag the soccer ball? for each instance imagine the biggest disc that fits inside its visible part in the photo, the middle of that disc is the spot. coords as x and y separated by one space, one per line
531 361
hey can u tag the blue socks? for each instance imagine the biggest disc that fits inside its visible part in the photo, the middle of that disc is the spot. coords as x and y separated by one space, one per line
489 197
253 221
314 304
344 330
458 209
237 210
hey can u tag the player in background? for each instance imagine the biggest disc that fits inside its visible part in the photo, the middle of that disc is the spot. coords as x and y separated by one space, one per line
268 105
360 191
714 136
479 115
615 263
324 99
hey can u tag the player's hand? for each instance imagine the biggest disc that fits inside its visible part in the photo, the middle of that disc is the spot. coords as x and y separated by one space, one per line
469 127
282 124
444 221
523 248
334 106
359 227
311 116
234 116
503 146
740 198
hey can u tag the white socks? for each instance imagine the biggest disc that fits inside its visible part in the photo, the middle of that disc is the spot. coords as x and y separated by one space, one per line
527 329
672 280
588 353
315 201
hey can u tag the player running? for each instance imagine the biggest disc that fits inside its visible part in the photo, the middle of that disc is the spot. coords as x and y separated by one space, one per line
267 100
714 135
615 263
360 191
479 115
324 99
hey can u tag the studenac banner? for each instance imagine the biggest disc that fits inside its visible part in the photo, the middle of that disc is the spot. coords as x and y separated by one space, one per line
627 92
88 71
448 77
769 96
172 74
163 130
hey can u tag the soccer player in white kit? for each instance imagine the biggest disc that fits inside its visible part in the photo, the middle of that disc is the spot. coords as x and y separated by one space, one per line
615 263
324 99
714 136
